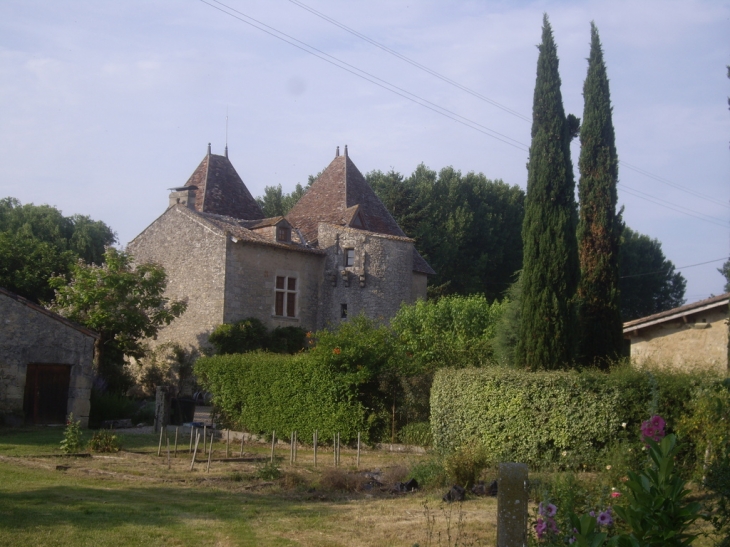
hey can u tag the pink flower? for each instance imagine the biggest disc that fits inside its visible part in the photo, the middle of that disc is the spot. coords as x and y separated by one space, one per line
553 525
540 527
615 494
653 428
549 511
658 423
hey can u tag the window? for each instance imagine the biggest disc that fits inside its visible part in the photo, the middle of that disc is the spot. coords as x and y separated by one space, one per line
343 311
283 233
349 257
286 296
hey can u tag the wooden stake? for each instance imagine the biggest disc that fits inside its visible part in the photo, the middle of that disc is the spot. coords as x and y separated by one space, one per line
273 440
210 447
291 448
177 430
192 430
195 452
168 452
228 441
205 436
295 446
358 450
159 446
210 453
242 443
334 448
315 448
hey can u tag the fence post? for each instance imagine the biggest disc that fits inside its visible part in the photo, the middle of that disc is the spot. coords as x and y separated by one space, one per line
512 505
315 448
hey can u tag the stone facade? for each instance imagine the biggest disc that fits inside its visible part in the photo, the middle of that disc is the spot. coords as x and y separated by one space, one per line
337 254
31 335
690 337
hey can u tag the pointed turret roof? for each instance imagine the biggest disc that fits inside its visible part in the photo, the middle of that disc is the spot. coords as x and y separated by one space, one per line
342 196
221 191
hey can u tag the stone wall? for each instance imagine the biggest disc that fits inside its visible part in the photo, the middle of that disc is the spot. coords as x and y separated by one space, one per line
251 272
419 286
32 336
699 343
386 264
194 258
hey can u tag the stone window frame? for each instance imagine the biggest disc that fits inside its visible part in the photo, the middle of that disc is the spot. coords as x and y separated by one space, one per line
286 295
343 311
348 257
283 234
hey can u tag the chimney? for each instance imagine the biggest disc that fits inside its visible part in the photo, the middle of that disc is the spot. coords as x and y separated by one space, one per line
226 152
345 150
184 196
209 149
337 153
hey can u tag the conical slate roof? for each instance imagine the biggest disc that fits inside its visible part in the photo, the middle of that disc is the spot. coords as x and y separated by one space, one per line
338 194
221 191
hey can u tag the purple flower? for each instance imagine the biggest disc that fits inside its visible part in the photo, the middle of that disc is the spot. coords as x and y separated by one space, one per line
658 423
540 527
605 519
653 428
553 525
593 514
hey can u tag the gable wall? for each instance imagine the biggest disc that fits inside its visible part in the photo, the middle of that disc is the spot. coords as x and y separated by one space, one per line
684 346
29 336
250 284
388 268
194 259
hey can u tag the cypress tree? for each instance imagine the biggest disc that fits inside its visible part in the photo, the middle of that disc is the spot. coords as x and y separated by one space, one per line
599 227
550 265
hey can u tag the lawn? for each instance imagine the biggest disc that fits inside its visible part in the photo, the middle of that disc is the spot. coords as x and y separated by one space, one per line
132 498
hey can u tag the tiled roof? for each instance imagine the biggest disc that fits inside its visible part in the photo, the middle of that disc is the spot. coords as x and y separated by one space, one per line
420 264
340 187
237 228
221 191
52 315
687 309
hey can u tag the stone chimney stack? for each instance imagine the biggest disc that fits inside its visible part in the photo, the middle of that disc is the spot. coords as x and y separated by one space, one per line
184 196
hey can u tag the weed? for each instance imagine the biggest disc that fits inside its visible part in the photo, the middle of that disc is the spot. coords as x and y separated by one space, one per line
71 436
269 472
104 441
465 465
339 480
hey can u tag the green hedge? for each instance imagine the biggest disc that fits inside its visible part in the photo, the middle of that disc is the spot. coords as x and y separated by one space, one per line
262 392
552 417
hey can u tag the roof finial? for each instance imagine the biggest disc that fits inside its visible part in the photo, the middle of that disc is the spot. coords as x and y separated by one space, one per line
226 152
337 153
209 149
345 150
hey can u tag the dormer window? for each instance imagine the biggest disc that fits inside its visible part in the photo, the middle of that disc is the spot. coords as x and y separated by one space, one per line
283 234
349 257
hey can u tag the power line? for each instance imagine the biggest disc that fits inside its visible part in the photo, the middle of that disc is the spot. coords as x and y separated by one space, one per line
486 99
668 269
669 204
367 76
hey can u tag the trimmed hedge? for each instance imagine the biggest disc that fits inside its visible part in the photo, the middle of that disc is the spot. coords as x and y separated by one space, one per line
553 417
262 392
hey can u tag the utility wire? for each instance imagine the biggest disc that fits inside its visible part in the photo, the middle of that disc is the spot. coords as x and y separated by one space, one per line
686 210
366 75
415 98
668 269
487 99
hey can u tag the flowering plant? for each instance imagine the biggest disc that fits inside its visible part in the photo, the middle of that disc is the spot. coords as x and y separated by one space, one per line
653 429
71 436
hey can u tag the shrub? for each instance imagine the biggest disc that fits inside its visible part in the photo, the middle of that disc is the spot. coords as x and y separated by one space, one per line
287 340
269 471
109 406
339 480
465 464
71 441
240 337
553 418
104 441
430 472
418 434
168 364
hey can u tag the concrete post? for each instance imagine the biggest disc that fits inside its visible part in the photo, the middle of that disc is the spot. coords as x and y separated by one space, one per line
162 408
512 505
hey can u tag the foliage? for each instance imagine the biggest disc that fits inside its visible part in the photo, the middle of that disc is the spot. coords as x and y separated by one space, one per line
454 330
464 465
123 303
71 441
37 242
717 482
263 392
568 419
466 226
725 271
658 512
550 269
269 471
274 203
507 329
109 406
429 471
648 283
599 227
417 434
240 337
168 364
104 441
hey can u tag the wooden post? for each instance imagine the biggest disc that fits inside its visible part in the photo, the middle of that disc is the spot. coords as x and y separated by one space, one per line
242 443
358 450
210 447
295 446
228 442
273 441
159 446
315 448
512 505
210 453
291 448
177 430
168 452
205 436
192 431
195 452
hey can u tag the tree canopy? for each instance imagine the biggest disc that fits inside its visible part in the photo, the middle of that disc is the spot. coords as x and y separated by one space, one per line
37 242
275 203
123 303
550 270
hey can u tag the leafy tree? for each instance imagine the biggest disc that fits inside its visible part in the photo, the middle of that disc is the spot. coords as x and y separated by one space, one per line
550 268
37 241
599 227
124 304
274 203
725 271
649 283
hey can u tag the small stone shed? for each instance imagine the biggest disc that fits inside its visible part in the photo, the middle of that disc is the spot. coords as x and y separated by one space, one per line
46 364
691 337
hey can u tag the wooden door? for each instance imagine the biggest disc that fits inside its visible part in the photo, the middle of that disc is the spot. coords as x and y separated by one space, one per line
46 393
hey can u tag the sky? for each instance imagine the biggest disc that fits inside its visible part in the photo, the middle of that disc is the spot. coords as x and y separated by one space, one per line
104 105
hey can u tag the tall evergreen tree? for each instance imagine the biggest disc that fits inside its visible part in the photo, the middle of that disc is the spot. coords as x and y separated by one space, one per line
550 268
599 227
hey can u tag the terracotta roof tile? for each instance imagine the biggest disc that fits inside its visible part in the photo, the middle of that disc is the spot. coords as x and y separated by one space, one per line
221 191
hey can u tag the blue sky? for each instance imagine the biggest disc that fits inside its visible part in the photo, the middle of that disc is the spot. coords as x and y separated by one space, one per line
106 104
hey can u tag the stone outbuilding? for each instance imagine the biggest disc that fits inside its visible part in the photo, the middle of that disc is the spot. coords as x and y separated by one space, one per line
338 253
691 337
46 364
